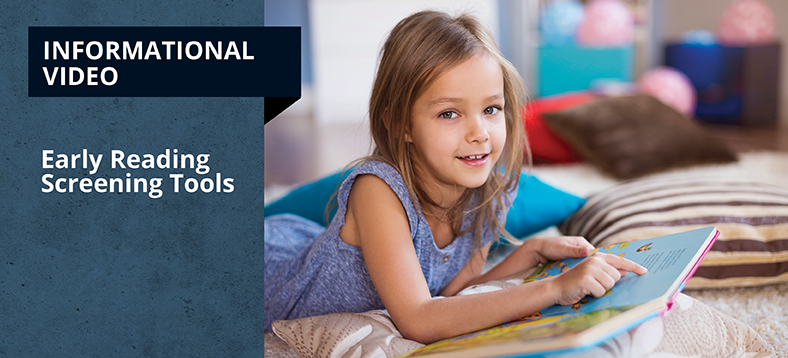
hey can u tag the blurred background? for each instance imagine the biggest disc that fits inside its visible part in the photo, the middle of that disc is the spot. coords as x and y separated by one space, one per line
719 62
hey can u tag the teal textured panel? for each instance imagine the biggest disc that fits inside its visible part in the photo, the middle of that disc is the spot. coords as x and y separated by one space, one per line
92 274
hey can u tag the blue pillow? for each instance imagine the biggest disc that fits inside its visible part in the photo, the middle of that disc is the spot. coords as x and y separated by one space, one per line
537 206
309 200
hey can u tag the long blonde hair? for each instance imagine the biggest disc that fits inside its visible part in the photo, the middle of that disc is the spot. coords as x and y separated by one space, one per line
419 49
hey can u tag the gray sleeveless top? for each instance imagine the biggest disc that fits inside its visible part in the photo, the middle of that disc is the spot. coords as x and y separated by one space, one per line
310 271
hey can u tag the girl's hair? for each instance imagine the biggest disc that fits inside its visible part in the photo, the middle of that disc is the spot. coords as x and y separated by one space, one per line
420 48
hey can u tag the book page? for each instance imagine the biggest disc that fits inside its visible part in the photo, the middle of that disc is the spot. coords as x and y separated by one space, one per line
665 257
669 260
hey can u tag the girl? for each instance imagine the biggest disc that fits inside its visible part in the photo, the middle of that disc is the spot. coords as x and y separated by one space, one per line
416 219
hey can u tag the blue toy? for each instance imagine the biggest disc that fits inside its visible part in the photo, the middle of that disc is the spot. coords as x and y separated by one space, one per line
559 21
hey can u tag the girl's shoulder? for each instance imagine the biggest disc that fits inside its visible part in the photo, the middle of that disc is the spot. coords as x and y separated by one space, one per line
382 170
377 167
395 182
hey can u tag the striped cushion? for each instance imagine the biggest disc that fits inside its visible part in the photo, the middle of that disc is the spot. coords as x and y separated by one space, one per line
752 218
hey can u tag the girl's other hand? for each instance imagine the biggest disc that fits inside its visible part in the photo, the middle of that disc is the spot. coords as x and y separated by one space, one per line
592 276
561 247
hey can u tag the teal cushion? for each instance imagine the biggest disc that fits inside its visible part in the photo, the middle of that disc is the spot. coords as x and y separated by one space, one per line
309 200
537 206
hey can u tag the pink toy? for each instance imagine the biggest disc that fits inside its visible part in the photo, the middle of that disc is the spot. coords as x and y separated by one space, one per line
746 22
670 86
607 23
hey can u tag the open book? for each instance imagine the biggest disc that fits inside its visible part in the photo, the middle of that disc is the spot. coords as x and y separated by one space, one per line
671 260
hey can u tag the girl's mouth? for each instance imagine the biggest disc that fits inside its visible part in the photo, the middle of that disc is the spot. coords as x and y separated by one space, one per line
474 160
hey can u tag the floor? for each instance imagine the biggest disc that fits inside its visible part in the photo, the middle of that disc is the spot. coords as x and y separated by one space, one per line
744 139
298 150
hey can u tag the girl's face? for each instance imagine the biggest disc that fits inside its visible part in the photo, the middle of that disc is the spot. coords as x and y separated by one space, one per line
458 125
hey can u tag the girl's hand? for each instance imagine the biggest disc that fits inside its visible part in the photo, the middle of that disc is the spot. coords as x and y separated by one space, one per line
537 250
558 248
592 276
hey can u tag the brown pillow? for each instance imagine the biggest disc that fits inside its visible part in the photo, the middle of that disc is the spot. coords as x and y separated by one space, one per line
631 136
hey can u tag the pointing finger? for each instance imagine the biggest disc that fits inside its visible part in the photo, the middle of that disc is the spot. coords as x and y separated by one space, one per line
621 263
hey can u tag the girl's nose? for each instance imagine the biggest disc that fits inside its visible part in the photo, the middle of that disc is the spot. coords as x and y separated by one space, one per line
477 131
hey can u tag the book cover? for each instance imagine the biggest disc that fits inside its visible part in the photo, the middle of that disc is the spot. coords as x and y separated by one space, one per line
132 176
670 261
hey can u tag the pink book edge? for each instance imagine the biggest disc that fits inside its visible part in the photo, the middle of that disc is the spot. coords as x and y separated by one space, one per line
692 272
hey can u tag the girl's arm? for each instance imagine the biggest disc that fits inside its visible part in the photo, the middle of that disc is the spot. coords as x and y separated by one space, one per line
381 226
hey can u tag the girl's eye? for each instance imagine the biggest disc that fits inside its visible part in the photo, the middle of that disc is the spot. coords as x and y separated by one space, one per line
448 115
491 110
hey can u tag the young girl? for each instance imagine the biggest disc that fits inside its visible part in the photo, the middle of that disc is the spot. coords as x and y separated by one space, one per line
416 219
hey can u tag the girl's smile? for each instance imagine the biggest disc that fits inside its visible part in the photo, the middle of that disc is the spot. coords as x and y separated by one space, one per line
475 160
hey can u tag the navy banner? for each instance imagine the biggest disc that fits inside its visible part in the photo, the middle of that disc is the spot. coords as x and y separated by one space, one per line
167 62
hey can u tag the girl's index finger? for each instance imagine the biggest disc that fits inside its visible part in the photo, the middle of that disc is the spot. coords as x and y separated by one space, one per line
624 264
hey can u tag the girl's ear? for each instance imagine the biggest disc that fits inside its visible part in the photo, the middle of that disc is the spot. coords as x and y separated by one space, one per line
408 138
386 118
395 127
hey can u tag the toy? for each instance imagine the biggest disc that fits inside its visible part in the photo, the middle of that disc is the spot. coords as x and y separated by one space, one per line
606 23
698 37
746 22
672 87
559 20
